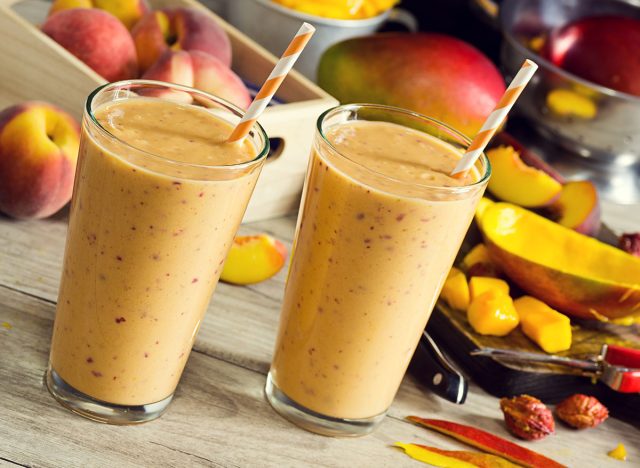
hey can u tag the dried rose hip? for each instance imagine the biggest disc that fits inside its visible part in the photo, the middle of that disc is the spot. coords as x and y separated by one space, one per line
582 411
527 417
630 243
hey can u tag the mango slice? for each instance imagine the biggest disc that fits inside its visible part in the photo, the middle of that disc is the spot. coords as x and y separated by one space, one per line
480 284
515 182
546 327
571 272
455 290
492 313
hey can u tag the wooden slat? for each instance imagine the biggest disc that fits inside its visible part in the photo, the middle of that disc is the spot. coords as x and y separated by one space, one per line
234 345
218 418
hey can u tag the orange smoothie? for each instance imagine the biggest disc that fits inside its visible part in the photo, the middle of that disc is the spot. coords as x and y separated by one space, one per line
151 222
380 226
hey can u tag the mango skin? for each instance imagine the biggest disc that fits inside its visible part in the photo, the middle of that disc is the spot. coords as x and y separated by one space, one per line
434 74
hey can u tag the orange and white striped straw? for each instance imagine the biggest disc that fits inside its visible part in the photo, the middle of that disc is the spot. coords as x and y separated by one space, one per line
508 99
272 84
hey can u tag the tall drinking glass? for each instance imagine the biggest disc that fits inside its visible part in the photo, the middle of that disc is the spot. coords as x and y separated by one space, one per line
379 227
157 200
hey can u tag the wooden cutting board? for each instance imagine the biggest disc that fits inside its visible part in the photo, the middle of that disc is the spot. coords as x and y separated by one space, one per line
550 383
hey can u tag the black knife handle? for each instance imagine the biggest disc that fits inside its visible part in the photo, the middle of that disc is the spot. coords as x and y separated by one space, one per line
435 371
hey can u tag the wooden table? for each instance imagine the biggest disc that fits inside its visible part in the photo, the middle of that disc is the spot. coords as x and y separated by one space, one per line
219 416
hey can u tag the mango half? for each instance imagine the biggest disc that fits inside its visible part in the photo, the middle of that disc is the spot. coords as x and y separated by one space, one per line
574 273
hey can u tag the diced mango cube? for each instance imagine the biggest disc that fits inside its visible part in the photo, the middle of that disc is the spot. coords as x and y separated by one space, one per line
492 313
480 284
455 290
479 254
548 328
478 262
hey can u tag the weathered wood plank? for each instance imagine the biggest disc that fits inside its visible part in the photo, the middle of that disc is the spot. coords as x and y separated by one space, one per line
240 329
218 418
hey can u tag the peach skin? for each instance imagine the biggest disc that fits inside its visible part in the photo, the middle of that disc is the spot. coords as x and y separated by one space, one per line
515 182
578 207
202 71
179 29
252 259
127 11
97 38
38 152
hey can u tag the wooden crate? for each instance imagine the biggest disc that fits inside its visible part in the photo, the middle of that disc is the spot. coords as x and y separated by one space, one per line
34 67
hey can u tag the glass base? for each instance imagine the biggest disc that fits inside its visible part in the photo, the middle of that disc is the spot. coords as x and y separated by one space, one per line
101 411
316 422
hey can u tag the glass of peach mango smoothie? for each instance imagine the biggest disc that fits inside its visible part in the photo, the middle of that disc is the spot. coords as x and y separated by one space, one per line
158 197
379 226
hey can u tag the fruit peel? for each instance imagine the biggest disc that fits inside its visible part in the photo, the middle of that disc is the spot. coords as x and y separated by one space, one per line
453 458
252 259
487 442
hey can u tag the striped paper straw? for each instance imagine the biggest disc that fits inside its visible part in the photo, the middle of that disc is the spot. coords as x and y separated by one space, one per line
479 143
274 81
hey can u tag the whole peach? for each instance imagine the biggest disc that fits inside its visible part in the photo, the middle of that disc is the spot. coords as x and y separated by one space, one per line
127 11
202 71
97 38
179 29
38 152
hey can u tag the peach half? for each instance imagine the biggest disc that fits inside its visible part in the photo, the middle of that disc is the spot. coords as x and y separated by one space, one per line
127 11
515 182
573 273
578 207
252 259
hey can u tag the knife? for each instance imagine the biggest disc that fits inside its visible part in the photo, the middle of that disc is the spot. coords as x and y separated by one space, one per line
437 372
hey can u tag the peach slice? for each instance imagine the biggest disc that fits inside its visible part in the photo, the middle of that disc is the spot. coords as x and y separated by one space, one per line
573 273
515 182
492 313
487 442
252 259
455 290
548 328
578 207
481 284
